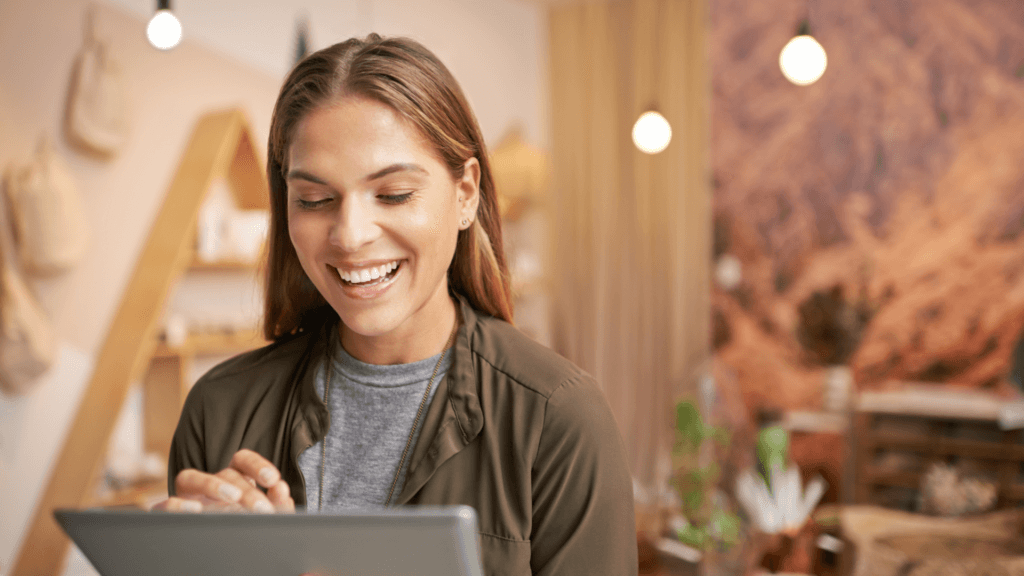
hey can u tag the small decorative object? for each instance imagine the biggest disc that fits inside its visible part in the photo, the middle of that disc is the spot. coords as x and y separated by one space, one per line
175 330
246 233
947 492
838 386
97 115
777 504
49 221
225 233
27 344
830 329
520 173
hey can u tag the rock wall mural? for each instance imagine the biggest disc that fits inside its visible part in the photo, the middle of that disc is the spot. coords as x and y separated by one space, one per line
877 216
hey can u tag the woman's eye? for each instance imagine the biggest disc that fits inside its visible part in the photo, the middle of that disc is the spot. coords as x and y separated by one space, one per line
395 198
311 204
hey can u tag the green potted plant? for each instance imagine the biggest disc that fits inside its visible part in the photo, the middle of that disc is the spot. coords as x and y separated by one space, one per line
710 524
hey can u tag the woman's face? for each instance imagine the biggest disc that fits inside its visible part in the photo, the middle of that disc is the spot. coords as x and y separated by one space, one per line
374 216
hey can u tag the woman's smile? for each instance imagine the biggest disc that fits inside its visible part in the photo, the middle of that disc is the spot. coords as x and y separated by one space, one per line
368 282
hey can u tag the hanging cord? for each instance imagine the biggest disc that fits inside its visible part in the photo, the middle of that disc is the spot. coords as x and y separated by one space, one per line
659 17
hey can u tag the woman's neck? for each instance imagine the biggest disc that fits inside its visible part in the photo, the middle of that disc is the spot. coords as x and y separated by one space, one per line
426 333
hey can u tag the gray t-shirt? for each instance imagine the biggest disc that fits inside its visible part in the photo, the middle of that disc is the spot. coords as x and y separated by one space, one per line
372 409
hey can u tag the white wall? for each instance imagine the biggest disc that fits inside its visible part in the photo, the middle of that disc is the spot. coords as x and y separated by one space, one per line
235 54
497 49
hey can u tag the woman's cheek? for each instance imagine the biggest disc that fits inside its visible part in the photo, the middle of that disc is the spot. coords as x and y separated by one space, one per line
302 234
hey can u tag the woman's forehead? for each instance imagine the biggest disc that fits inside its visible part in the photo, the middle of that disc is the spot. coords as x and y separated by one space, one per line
361 135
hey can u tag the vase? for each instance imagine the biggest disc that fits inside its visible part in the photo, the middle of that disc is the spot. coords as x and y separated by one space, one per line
837 388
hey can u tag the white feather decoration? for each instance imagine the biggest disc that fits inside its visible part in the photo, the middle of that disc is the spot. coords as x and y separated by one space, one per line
779 505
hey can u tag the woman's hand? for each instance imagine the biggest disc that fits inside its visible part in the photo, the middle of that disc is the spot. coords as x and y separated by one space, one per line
236 487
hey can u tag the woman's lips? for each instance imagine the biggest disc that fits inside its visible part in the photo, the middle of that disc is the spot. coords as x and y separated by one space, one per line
373 288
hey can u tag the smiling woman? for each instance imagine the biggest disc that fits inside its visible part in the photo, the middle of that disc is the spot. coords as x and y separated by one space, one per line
374 217
395 376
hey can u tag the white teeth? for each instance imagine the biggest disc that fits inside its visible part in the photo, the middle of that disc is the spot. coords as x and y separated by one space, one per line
367 274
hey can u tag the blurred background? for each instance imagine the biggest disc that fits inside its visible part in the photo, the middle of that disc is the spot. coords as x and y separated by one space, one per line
785 236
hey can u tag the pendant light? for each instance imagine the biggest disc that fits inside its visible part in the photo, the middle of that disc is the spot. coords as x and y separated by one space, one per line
164 29
301 39
651 131
803 59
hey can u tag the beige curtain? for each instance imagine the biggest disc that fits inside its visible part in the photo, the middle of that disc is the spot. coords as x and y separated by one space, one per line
632 232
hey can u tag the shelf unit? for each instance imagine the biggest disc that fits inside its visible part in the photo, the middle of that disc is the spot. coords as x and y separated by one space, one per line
221 146
919 427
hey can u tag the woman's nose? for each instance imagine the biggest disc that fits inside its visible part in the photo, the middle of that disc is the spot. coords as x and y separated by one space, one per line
355 226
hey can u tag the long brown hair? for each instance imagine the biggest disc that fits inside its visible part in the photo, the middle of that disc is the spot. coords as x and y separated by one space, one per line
402 74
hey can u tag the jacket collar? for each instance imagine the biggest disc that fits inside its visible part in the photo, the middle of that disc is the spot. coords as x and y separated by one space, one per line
449 426
313 417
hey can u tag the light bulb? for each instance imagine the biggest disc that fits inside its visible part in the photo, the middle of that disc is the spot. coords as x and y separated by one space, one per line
164 30
651 133
803 60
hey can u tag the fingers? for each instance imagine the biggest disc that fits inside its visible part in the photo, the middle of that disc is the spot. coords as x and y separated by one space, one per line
224 489
255 466
238 490
235 487
175 504
280 496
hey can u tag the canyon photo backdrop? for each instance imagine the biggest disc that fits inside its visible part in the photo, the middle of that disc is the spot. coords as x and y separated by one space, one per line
878 214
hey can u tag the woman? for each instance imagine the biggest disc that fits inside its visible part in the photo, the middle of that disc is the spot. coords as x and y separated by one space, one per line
394 376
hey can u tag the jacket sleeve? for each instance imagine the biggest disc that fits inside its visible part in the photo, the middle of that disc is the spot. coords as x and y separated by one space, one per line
583 518
188 445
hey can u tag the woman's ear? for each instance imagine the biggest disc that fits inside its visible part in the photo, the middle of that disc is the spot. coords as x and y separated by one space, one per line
468 189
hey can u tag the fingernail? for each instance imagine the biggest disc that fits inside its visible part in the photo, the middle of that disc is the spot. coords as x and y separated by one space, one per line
268 476
191 506
263 507
230 492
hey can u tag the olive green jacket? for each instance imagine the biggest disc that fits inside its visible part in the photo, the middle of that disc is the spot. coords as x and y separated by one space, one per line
515 431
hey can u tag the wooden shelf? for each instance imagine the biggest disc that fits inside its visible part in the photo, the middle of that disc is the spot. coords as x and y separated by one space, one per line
882 477
213 344
221 265
221 146
945 446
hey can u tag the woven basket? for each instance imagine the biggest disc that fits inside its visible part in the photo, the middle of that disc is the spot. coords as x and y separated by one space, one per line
49 221
27 343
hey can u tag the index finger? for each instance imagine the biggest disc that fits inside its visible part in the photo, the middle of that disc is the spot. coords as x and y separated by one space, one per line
255 466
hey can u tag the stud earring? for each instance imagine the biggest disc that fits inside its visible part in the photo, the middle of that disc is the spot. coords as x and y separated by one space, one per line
465 222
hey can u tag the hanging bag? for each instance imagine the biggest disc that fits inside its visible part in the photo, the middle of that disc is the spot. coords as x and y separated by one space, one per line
49 220
97 117
27 343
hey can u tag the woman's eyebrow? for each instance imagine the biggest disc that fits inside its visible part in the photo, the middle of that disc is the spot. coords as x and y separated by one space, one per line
403 167
303 175
392 169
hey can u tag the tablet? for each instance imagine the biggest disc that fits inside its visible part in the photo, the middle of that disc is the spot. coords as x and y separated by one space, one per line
413 541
